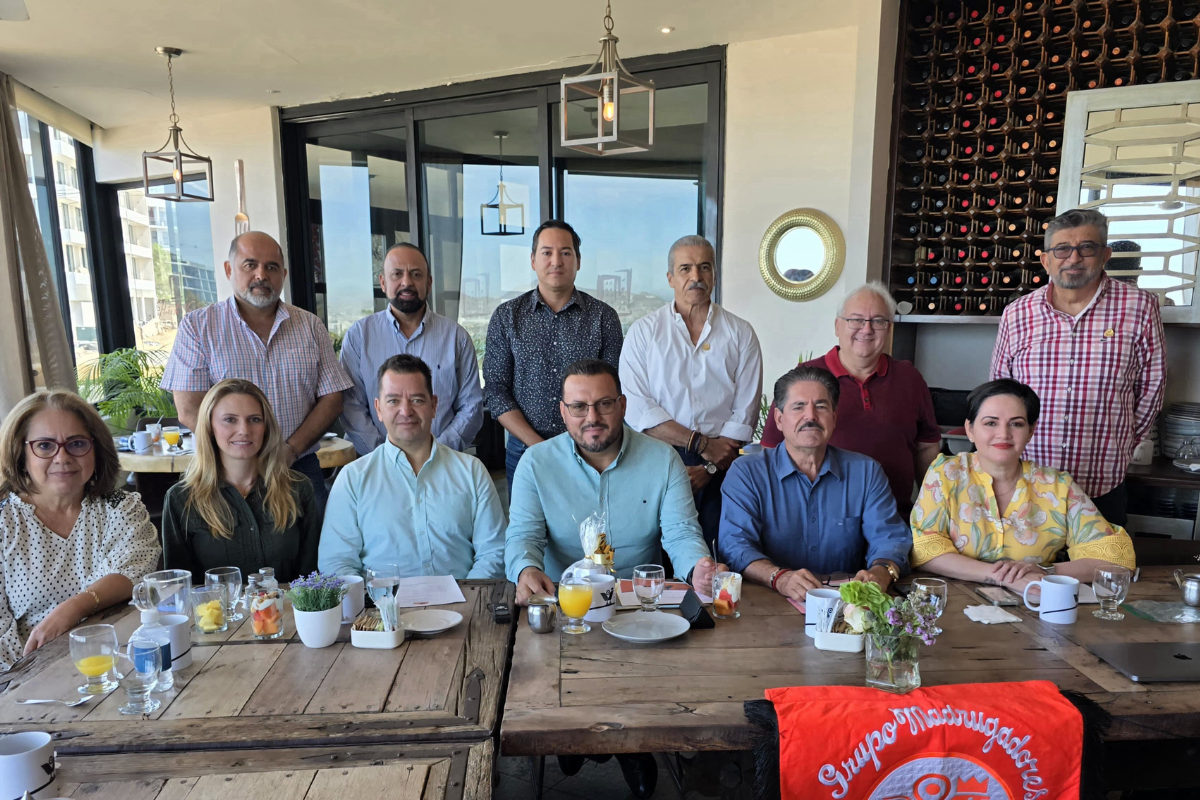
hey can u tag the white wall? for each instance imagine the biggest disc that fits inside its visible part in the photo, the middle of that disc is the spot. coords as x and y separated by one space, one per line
806 125
252 136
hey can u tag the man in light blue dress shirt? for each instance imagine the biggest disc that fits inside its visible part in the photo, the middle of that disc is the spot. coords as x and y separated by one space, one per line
600 464
413 502
408 325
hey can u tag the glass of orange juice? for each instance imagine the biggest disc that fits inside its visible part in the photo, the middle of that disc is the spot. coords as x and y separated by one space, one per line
170 435
575 598
93 649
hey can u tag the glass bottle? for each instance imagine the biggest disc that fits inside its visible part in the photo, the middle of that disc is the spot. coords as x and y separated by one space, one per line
267 578
265 606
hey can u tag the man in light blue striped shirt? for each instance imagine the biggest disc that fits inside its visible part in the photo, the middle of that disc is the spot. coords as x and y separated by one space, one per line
413 502
409 326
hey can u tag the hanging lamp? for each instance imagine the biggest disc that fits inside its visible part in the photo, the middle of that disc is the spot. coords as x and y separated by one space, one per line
176 153
501 205
608 82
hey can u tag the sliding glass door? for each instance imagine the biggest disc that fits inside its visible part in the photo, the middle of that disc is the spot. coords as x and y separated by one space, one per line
481 171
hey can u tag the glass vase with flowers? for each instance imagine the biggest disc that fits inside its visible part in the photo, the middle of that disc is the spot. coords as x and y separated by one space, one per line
893 627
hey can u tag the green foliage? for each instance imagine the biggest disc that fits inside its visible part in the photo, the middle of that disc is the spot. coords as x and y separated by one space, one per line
764 408
866 595
162 270
337 341
124 385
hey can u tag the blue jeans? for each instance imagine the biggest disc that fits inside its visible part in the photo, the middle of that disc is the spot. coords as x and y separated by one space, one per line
513 451
310 467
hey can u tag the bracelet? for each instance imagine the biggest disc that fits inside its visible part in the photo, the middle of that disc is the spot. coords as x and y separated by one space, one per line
96 598
691 445
779 572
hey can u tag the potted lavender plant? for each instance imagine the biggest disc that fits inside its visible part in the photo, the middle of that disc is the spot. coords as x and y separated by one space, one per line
893 629
317 605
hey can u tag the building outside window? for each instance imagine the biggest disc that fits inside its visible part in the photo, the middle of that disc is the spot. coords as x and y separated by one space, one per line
169 264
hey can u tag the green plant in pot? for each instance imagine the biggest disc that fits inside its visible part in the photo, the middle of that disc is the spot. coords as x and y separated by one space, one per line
124 385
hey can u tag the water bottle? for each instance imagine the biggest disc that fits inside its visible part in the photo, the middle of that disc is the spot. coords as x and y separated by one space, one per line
151 630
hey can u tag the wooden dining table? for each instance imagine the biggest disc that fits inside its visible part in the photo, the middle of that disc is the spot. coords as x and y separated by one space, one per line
332 452
593 694
245 693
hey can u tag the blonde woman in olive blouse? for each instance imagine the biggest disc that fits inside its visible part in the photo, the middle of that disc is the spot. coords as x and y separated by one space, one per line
991 517
238 504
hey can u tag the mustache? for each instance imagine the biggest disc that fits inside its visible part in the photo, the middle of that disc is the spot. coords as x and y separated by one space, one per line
811 426
261 285
697 285
595 426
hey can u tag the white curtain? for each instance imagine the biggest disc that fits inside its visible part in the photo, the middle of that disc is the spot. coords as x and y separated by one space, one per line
34 352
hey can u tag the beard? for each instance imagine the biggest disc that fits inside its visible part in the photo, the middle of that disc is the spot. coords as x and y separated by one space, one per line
1078 282
600 445
257 299
407 305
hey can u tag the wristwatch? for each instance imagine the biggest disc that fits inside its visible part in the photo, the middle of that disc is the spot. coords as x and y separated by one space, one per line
890 567
710 468
1049 570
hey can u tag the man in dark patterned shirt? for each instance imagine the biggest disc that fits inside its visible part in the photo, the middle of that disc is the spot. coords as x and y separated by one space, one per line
533 337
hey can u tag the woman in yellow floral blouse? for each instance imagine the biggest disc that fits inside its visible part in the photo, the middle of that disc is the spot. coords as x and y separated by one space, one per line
958 528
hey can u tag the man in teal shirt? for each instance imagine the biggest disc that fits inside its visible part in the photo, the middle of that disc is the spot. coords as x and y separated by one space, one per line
600 464
413 502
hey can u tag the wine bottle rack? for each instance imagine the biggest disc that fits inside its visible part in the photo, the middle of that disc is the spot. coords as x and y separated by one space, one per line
978 131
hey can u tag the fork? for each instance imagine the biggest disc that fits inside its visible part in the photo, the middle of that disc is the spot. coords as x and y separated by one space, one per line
70 704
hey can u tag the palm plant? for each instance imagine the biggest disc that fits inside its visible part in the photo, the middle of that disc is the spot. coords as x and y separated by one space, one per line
124 385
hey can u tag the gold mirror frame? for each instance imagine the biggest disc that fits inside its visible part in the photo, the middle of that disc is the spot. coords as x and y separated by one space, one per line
835 254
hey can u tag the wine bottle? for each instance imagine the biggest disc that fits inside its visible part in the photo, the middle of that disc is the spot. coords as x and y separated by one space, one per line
919 73
1050 144
909 203
1155 14
1148 71
939 203
1120 46
920 46
1029 61
941 176
1185 38
903 276
936 228
941 150
912 152
909 229
914 99
974 10
1056 86
912 177
913 125
1187 10
987 200
1125 18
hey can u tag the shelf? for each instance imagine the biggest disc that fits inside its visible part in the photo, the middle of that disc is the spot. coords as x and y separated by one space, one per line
1163 473
946 320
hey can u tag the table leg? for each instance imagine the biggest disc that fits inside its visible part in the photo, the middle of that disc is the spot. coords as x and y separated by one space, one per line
537 769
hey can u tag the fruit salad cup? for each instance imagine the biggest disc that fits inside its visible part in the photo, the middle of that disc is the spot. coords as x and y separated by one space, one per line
727 595
266 613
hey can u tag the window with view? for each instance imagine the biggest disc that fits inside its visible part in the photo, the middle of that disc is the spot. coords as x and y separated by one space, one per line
169 263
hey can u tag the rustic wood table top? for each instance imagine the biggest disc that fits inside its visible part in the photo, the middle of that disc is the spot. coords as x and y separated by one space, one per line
592 693
420 771
241 692
331 453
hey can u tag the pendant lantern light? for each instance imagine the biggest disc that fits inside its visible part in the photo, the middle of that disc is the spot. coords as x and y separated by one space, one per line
176 153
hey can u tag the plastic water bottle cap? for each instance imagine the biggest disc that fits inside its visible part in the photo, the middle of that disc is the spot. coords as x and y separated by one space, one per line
149 615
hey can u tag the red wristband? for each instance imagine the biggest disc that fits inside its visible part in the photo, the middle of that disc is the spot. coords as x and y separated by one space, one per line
778 574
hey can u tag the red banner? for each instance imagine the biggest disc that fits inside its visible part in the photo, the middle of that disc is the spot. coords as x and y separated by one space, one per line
987 741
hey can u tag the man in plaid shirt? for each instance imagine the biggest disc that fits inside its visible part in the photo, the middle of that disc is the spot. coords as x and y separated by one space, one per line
281 349
1092 349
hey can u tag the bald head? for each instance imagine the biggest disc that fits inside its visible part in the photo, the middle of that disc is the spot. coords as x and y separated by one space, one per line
255 267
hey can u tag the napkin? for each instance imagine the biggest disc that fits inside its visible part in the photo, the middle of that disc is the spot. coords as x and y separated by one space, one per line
989 615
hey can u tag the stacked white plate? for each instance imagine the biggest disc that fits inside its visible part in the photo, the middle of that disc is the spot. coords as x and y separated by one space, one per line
1180 423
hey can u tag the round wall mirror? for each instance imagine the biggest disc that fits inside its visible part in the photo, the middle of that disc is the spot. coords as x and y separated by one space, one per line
802 254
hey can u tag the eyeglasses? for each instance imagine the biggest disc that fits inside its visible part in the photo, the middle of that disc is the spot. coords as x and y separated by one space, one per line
1086 250
856 323
48 448
604 406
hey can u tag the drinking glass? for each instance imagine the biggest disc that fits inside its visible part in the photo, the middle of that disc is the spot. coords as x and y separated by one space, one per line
209 605
231 579
1111 585
575 599
382 582
92 649
137 671
170 435
726 594
938 591
648 583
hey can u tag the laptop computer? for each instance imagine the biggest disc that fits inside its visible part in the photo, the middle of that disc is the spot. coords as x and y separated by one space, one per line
1148 662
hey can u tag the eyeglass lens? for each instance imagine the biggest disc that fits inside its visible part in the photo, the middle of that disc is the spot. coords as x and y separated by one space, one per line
878 323
604 406
1086 250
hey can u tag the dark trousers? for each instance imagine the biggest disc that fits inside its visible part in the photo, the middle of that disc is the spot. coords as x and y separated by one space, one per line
310 467
1113 505
512 456
708 499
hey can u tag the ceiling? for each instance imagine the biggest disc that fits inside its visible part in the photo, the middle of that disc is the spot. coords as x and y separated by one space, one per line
97 57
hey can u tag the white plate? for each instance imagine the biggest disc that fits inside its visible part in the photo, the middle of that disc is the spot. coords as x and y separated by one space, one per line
645 628
430 620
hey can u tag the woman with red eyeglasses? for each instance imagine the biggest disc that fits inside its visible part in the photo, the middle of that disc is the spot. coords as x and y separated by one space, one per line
72 544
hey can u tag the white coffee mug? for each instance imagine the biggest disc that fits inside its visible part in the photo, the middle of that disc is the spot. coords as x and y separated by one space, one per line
817 605
1143 454
142 441
1059 599
26 763
604 597
355 598
180 628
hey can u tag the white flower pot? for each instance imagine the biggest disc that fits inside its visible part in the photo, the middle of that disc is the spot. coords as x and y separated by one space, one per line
319 628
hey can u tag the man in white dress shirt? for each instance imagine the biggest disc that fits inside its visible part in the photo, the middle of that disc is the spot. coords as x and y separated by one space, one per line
692 374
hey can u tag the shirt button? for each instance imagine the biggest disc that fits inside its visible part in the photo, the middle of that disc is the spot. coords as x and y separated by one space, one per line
1071 361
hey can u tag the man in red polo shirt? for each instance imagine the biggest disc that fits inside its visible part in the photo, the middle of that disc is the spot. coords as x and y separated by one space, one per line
886 411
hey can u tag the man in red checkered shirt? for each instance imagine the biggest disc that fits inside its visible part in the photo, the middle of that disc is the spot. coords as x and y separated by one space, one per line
1092 349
